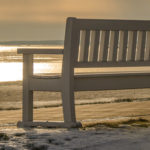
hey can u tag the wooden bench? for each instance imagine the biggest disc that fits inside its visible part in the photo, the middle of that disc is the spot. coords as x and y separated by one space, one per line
89 43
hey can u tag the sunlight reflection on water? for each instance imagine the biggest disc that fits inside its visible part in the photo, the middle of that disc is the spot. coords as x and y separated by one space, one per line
13 71
10 71
8 48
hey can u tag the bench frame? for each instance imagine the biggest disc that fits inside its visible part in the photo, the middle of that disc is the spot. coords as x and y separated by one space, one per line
68 83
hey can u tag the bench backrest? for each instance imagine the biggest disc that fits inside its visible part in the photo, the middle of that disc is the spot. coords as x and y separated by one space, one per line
107 43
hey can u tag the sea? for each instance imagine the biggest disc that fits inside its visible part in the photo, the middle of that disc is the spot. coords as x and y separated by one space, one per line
11 62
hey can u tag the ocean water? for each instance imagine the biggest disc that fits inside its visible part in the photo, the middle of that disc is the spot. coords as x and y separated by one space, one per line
11 63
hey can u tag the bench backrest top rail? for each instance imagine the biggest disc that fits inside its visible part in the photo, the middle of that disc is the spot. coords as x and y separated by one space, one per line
96 42
107 24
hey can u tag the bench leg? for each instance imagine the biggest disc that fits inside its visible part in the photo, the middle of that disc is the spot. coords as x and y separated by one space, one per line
27 93
27 105
68 106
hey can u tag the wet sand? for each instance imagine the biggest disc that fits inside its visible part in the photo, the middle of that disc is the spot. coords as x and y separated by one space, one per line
122 138
84 113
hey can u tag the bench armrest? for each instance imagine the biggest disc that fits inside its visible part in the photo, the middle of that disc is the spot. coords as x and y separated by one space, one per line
39 51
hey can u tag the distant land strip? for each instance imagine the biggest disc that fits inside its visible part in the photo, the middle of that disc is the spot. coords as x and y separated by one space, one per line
45 42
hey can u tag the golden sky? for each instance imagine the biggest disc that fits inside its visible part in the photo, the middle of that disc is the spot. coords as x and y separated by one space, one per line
45 19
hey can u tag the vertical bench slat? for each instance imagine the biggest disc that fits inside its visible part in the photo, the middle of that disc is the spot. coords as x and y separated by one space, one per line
111 45
96 45
134 42
115 46
120 45
106 42
101 46
129 45
125 42
86 47
76 41
143 45
81 46
138 47
147 46
91 46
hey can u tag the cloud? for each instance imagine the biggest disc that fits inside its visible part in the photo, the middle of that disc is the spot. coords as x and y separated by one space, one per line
51 11
45 19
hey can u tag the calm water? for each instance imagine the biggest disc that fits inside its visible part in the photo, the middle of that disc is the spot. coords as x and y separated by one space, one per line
11 64
12 71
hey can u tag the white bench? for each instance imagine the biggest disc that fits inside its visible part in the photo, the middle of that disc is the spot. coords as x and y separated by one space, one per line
89 43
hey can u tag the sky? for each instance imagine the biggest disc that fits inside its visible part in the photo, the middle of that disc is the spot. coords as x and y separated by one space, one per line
45 19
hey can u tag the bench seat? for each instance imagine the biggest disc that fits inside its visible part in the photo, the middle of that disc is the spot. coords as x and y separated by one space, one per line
92 74
98 81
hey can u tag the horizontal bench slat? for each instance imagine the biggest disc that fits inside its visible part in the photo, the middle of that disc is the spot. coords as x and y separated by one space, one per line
39 51
111 64
100 24
112 74
92 74
112 82
43 84
99 81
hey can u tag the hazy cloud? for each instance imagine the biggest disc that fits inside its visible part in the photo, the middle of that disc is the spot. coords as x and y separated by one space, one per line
45 19
58 10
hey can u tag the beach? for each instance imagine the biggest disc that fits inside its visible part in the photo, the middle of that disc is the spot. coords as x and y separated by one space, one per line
106 126
91 105
106 37
102 113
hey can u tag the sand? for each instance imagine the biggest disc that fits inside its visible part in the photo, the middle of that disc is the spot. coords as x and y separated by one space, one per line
85 113
101 108
103 138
